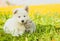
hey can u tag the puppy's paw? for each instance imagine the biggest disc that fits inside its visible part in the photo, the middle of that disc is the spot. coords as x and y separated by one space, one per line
15 35
21 33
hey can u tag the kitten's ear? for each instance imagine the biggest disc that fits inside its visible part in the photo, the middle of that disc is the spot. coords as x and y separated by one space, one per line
15 11
26 8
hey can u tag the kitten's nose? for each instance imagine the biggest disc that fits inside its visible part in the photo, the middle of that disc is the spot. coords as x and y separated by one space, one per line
22 21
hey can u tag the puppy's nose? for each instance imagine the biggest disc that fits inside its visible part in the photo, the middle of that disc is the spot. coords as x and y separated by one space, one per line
22 21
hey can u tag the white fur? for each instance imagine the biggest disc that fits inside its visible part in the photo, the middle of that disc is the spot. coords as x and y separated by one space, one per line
14 25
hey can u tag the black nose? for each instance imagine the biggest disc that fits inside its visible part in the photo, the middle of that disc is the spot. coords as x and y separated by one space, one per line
22 21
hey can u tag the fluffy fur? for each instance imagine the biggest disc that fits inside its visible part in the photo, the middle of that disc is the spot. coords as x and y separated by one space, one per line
19 23
15 25
30 26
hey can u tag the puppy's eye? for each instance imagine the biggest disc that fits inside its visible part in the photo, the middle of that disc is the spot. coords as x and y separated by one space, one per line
24 16
18 16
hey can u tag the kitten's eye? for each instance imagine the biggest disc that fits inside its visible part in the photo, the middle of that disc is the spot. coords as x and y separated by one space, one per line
18 16
24 16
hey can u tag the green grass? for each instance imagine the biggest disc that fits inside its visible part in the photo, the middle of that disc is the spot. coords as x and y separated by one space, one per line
46 29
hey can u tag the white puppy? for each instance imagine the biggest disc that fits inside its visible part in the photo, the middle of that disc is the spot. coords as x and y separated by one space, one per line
15 25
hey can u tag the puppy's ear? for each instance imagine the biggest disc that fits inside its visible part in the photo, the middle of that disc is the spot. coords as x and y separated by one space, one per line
15 11
26 8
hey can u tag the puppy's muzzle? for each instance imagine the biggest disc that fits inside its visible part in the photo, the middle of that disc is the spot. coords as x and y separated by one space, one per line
22 21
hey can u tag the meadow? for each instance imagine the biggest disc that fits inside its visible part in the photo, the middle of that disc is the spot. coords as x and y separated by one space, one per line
47 25
47 28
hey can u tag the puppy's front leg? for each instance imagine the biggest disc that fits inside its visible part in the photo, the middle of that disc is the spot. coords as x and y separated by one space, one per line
21 30
15 33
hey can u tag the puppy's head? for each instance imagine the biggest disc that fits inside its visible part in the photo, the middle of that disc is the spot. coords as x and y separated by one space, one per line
21 15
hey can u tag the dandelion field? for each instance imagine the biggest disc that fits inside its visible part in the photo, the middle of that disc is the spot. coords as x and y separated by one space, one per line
47 28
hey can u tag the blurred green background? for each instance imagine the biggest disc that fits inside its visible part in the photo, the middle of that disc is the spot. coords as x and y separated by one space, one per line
47 28
46 18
